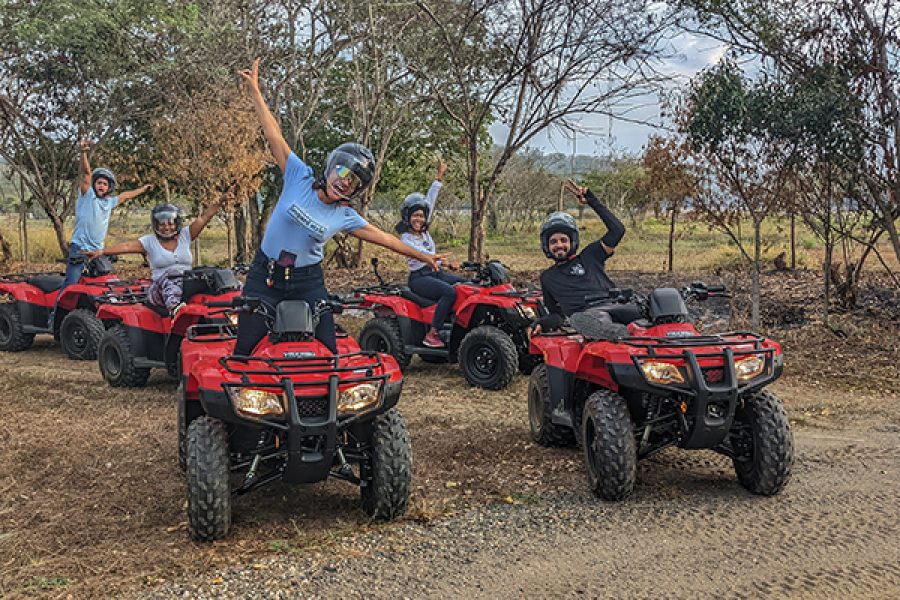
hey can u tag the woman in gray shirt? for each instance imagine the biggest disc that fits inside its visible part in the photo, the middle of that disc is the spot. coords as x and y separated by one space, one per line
168 250
415 216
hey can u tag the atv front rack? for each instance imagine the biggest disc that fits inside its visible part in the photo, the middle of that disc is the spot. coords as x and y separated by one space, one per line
127 296
304 365
655 343
23 277
211 332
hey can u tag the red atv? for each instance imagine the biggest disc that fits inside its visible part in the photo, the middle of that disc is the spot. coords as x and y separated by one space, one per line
291 412
141 336
75 323
485 333
625 393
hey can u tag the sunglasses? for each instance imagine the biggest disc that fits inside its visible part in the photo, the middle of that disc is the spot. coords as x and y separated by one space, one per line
348 176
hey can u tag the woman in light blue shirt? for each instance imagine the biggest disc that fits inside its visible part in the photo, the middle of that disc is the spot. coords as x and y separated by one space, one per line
309 212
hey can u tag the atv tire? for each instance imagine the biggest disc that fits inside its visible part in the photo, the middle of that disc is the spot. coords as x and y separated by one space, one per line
116 360
543 430
80 334
764 467
382 334
386 496
488 358
610 451
208 485
12 337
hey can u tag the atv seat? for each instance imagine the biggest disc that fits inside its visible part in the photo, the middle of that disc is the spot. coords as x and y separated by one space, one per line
158 309
47 283
414 297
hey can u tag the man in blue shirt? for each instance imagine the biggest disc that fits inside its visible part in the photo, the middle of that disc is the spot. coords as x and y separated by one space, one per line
92 209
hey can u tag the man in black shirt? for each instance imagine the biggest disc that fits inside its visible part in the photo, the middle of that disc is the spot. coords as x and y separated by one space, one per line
575 277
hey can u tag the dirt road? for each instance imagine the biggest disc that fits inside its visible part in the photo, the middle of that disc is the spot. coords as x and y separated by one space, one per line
92 502
689 531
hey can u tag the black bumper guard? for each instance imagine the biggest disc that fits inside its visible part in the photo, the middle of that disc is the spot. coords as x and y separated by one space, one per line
713 404
305 464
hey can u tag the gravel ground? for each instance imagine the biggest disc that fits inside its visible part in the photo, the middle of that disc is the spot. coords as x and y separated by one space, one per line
688 531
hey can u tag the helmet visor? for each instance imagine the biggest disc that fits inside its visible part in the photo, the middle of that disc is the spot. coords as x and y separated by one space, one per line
165 216
348 180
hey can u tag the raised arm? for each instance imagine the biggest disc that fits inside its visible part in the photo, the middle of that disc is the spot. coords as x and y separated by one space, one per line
370 233
615 229
277 144
203 218
129 194
129 247
434 190
84 166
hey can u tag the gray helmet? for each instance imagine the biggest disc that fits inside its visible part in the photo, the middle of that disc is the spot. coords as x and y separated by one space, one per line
411 204
355 157
559 222
163 213
106 174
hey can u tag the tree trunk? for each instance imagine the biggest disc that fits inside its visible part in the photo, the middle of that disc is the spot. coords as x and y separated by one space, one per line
198 258
754 290
5 250
23 223
229 232
240 233
793 240
672 239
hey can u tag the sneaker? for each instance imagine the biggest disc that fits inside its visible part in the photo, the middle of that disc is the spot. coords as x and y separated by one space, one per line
433 340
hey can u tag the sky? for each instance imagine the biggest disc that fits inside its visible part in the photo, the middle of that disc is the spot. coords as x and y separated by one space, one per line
602 136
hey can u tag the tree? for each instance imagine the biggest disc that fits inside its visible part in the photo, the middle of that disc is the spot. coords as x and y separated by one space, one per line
209 145
747 169
529 65
862 37
69 69
670 180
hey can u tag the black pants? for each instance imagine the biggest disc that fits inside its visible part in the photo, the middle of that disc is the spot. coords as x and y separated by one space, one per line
305 283
435 285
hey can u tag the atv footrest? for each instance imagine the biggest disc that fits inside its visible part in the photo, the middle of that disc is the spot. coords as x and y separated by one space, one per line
426 351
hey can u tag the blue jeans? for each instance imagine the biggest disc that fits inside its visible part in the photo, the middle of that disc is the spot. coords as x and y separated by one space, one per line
435 285
73 274
306 283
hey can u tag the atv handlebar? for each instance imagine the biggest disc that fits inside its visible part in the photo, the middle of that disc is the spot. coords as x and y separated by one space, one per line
250 304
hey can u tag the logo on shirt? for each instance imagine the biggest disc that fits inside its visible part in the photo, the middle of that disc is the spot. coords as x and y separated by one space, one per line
305 220
577 270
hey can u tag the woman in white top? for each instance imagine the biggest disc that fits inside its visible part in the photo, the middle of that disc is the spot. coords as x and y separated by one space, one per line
168 250
415 214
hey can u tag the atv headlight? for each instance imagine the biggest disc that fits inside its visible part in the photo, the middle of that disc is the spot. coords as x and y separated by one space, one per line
527 312
358 398
749 367
661 372
256 403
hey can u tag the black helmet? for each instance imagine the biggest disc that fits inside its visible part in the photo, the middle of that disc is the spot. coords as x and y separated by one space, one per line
559 222
102 173
411 204
355 157
164 213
